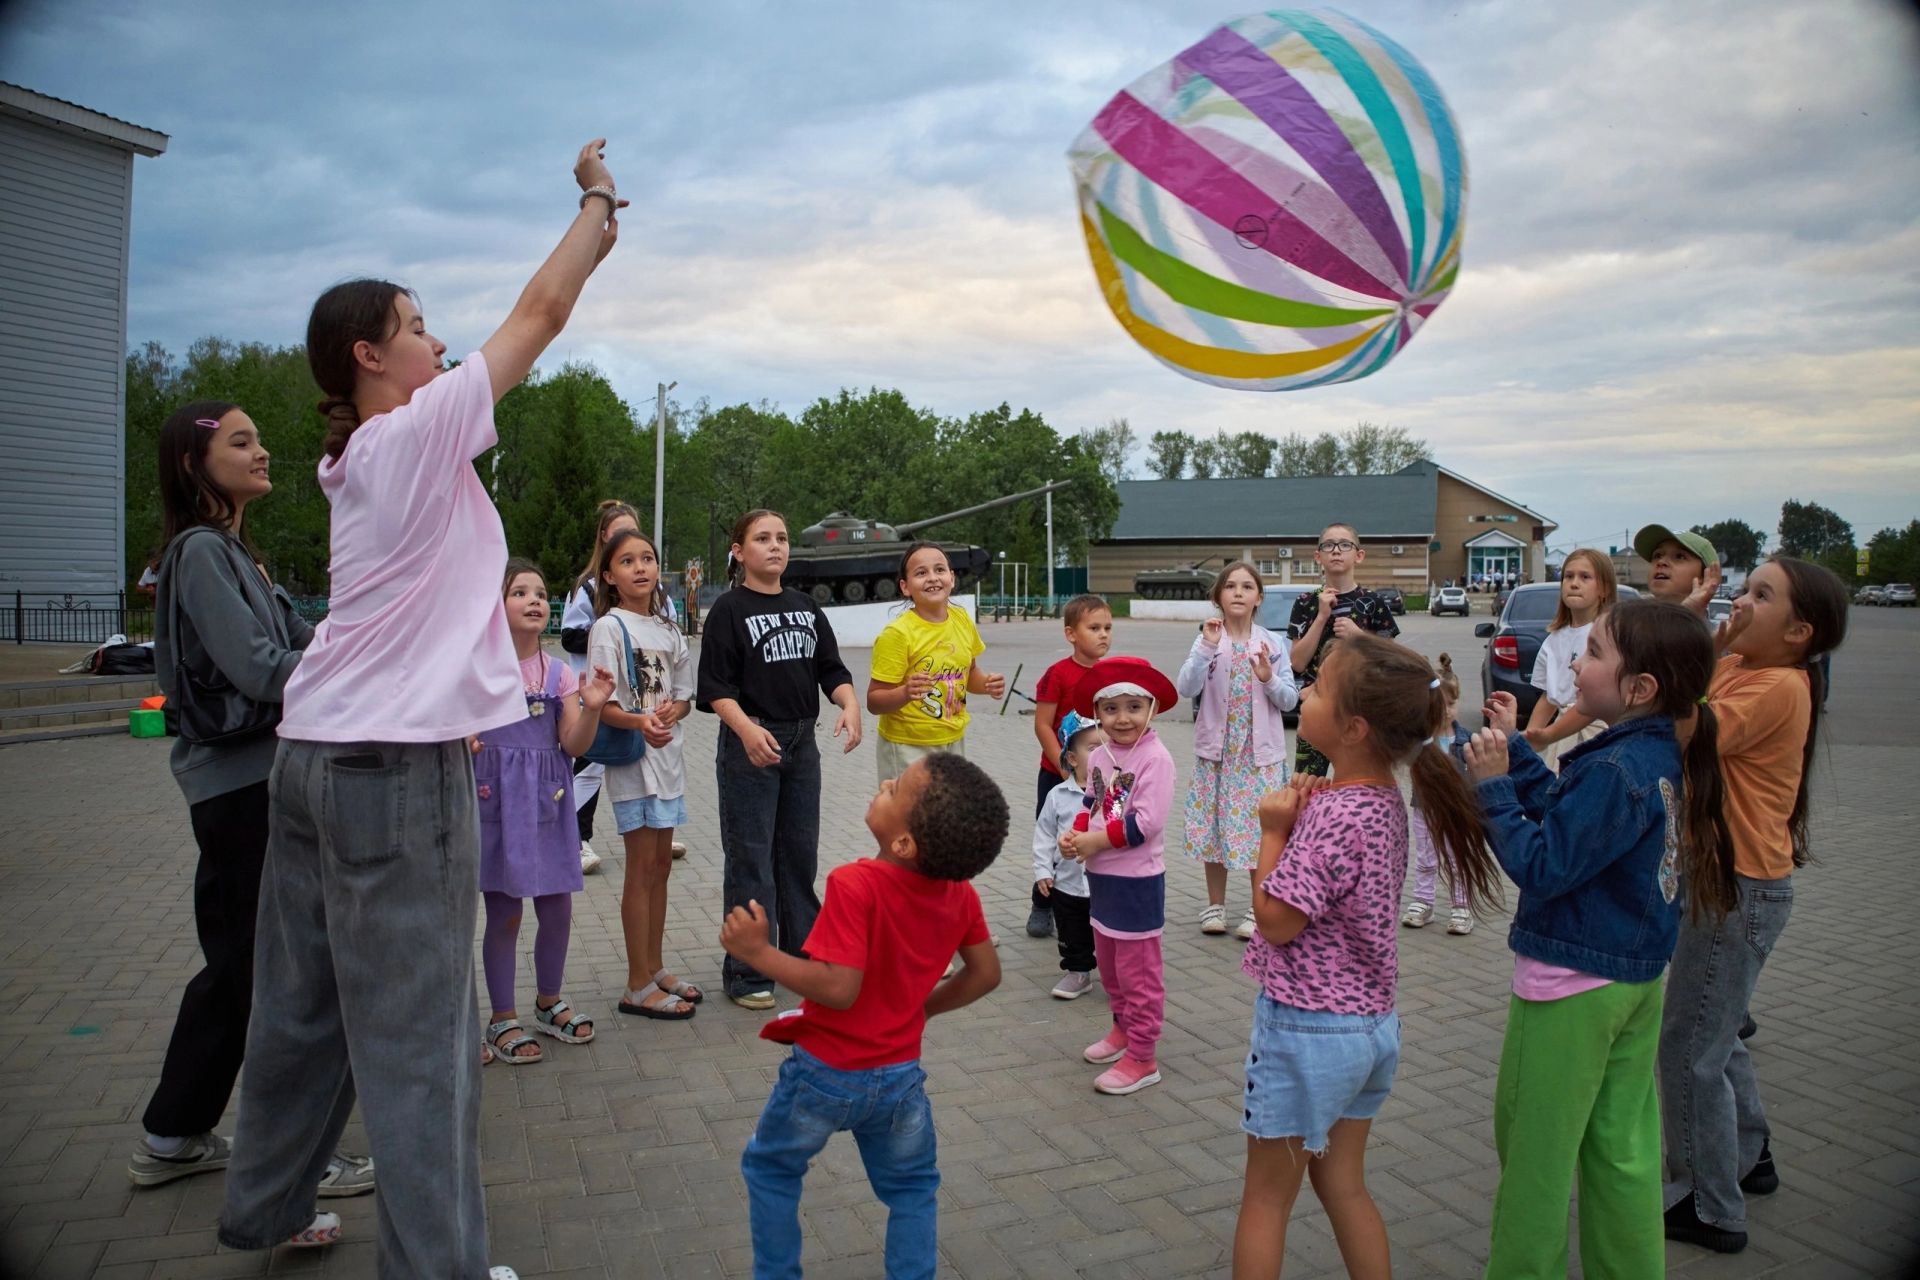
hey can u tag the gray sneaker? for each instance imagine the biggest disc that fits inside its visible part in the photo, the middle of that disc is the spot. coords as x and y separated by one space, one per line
1072 985
347 1175
202 1153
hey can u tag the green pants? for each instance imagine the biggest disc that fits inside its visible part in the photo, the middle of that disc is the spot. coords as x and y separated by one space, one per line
1576 1093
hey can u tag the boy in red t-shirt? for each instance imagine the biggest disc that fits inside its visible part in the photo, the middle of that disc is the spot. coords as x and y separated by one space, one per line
870 979
1089 623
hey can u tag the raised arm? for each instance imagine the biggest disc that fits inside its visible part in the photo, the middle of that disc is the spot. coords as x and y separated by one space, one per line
547 301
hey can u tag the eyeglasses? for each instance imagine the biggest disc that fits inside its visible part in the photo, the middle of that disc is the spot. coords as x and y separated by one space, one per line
1339 544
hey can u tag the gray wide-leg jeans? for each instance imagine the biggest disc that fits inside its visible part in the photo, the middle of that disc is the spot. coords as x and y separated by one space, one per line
1710 1108
364 983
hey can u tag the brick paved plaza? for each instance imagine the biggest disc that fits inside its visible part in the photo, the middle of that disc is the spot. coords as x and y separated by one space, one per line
621 1158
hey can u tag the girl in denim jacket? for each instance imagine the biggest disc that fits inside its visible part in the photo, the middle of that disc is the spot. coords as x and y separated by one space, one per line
1244 678
1601 857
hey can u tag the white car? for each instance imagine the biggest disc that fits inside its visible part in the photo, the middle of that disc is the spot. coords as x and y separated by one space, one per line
1450 600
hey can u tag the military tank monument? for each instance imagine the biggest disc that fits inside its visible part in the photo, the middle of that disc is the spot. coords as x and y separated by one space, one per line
846 560
1182 582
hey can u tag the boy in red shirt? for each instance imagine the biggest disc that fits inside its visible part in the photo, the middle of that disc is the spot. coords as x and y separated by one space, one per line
1089 627
870 979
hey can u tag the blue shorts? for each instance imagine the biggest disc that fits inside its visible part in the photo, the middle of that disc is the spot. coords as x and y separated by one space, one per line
650 812
1307 1069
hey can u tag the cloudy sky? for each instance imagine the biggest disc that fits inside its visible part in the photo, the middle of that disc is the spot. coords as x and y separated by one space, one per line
1692 264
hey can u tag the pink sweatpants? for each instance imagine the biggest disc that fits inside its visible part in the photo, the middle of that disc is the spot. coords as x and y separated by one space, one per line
1136 989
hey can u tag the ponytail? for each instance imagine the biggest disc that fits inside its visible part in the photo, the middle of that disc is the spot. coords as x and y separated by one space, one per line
1797 820
1819 599
1706 845
351 312
343 419
1452 812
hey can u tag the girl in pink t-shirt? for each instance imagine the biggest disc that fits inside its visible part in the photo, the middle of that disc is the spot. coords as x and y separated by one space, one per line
1333 858
371 882
523 777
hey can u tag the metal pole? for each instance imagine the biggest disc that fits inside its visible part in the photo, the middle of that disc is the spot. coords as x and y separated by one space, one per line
1049 551
660 470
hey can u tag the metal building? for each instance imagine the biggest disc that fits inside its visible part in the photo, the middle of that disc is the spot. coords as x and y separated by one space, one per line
66 208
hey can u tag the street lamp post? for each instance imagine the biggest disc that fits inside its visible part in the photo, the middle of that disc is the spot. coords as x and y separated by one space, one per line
660 469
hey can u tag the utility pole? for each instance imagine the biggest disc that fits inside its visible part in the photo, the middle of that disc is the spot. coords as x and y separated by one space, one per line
1049 549
660 470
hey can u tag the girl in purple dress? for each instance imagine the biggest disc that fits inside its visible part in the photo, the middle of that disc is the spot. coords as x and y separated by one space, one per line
529 843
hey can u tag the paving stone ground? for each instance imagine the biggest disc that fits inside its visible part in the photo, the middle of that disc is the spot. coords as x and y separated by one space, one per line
620 1159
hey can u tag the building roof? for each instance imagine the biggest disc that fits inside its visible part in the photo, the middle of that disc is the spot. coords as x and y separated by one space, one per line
1397 505
71 117
1400 505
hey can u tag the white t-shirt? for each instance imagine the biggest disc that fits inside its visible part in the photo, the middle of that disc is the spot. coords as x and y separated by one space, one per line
1553 669
415 646
666 675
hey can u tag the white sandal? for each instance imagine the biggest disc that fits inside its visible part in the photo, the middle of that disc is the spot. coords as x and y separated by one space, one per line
508 1052
552 1021
322 1231
1213 918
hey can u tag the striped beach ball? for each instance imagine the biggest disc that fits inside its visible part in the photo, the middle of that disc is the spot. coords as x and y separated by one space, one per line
1278 207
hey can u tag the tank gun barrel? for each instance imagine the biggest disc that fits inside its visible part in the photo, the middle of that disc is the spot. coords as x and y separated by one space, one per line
914 525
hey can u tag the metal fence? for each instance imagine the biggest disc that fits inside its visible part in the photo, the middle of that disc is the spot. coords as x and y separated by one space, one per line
74 619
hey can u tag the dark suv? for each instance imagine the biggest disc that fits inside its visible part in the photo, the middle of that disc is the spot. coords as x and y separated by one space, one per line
1513 643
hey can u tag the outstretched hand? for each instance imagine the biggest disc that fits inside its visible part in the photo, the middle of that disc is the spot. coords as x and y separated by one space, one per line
1487 755
1704 588
1502 712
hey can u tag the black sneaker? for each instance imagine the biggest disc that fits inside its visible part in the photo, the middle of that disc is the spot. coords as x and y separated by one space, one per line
1747 1027
1040 923
1763 1179
1684 1225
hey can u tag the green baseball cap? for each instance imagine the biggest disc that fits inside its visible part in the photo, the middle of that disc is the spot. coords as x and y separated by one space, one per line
1654 534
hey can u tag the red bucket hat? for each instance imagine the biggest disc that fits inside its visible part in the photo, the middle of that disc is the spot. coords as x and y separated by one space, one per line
1137 672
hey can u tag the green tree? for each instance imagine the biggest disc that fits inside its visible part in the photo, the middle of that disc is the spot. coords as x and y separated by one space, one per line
1807 529
1893 555
1371 450
1207 459
1246 454
1112 445
1167 454
1738 542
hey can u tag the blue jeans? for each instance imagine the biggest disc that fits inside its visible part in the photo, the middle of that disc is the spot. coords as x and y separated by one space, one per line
770 832
1710 1102
886 1109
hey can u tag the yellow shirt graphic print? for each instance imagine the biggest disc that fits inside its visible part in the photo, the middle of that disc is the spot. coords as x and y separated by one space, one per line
944 650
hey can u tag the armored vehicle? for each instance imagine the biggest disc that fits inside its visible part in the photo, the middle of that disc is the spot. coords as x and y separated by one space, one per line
1182 582
849 560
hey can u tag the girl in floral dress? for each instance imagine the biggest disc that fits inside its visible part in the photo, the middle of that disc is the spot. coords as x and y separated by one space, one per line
1244 679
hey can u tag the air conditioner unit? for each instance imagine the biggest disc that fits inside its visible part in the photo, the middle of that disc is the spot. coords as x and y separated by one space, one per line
1399 550
1284 553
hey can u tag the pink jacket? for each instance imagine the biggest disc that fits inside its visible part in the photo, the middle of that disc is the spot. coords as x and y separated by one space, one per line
1206 672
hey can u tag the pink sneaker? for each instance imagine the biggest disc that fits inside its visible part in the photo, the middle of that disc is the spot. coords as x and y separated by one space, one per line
1129 1075
1109 1049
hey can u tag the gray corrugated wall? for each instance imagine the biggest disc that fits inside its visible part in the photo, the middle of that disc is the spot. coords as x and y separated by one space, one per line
64 203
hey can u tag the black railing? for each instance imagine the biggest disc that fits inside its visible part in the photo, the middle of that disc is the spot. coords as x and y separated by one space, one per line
74 619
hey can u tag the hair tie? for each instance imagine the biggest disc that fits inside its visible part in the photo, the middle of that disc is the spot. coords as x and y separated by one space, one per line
1703 699
1434 683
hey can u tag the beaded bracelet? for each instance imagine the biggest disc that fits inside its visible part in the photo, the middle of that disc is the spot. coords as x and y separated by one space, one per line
613 199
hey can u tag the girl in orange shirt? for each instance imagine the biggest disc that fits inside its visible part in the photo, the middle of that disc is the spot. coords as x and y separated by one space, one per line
1766 697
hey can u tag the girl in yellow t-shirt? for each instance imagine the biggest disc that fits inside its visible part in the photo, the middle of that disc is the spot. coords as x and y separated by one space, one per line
924 665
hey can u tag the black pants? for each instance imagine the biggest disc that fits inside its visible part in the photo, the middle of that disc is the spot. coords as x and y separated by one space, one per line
1043 902
584 814
210 1035
1075 929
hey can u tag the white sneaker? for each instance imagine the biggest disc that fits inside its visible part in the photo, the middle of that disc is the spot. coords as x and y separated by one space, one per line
1246 927
1418 915
679 850
589 860
1072 985
1213 918
1461 921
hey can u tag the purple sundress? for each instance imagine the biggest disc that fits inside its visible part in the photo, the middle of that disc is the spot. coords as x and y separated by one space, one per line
529 840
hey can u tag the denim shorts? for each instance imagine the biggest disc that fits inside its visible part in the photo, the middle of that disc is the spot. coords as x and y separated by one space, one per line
650 812
1307 1069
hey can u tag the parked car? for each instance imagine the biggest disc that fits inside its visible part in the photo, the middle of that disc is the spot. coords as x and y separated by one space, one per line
1513 642
1500 595
1719 609
1276 611
1450 600
1871 595
1393 598
1898 593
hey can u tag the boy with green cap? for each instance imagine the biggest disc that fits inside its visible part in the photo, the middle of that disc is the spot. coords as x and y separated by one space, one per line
1682 562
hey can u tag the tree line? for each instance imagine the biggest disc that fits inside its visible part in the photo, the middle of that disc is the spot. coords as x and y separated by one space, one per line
1810 531
567 440
1364 449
